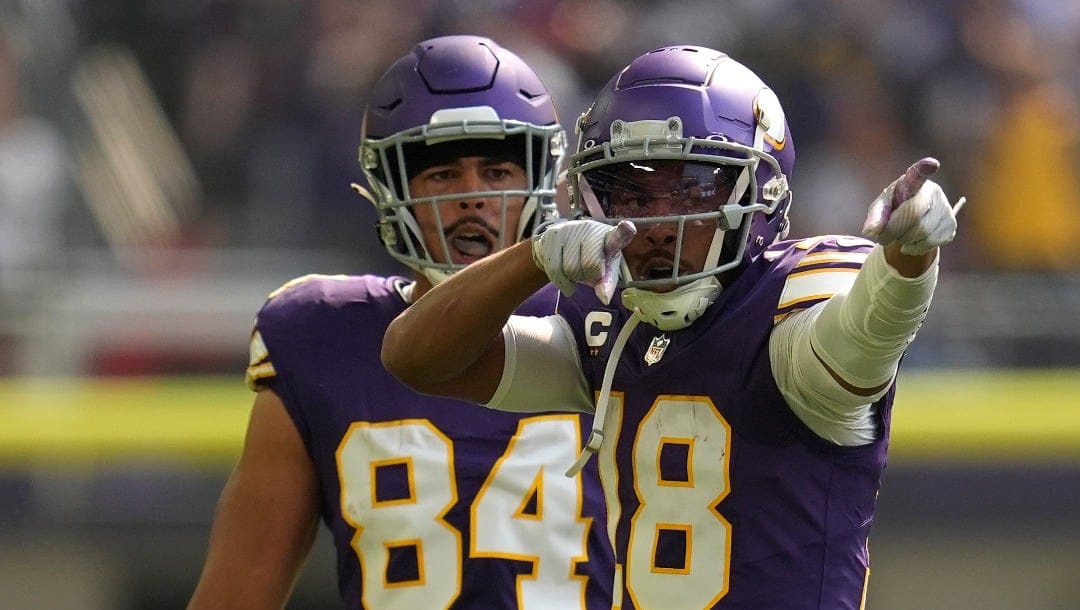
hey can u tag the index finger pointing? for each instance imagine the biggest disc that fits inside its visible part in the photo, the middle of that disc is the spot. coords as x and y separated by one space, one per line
913 179
618 239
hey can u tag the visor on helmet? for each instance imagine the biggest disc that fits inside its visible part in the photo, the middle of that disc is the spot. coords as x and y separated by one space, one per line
647 189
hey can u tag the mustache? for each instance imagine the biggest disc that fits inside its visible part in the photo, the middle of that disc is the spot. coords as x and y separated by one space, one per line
474 220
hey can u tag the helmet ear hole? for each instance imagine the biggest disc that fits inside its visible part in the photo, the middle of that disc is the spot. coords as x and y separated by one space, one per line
785 224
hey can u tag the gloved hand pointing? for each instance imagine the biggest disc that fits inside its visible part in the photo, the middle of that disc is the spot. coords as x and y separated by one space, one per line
913 211
585 251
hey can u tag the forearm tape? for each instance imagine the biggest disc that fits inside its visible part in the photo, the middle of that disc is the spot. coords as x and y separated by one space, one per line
862 334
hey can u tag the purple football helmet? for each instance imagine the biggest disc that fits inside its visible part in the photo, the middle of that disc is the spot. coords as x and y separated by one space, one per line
450 97
696 106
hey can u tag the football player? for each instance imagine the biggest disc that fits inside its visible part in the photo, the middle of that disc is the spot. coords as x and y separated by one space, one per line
431 502
744 384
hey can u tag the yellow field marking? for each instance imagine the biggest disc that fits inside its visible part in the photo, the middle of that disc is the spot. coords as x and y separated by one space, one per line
85 423
977 416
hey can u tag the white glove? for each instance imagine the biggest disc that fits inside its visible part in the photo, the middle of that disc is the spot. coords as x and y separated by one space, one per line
913 211
583 251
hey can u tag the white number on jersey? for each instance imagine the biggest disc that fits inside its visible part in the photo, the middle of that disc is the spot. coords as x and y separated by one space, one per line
526 510
681 507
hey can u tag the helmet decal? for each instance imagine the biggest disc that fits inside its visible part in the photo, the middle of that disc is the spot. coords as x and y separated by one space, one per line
770 117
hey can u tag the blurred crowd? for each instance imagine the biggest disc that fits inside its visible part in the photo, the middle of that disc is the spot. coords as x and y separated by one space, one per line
262 100
146 129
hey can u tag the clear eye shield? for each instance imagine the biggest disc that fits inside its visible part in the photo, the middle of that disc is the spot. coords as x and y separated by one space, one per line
648 189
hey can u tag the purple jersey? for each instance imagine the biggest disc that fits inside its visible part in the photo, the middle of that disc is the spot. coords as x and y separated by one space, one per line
432 503
727 499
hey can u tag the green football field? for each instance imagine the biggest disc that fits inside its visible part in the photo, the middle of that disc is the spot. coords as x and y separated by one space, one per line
951 417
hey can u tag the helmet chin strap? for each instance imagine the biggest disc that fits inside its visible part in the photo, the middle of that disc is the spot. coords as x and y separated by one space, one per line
656 309
596 436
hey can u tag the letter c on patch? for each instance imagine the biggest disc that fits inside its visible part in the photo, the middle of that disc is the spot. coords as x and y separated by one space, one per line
596 325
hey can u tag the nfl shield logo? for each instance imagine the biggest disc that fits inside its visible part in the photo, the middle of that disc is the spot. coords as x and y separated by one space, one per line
656 350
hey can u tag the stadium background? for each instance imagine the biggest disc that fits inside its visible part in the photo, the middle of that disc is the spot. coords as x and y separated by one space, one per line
164 165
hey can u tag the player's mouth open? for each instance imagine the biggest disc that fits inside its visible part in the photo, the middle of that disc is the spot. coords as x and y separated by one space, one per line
472 244
656 268
658 273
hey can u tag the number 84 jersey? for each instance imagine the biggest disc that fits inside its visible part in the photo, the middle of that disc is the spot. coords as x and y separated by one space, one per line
433 503
718 495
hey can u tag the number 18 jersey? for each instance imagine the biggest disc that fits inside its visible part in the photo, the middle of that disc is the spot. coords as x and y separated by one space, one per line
727 500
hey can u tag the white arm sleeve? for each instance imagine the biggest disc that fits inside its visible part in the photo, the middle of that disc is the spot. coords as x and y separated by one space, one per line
541 371
860 335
